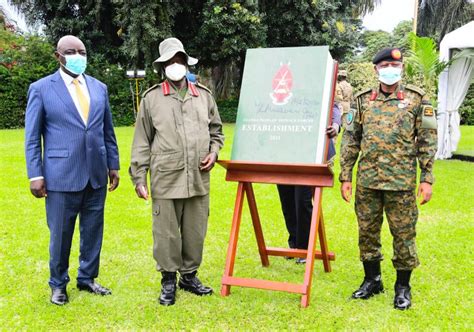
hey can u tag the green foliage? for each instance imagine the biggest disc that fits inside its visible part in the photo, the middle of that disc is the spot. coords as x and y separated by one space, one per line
440 286
400 36
27 60
228 109
361 75
305 22
374 41
142 28
423 59
436 18
229 28
467 108
92 21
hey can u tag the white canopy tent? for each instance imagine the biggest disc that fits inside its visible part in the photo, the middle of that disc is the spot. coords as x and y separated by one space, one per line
453 85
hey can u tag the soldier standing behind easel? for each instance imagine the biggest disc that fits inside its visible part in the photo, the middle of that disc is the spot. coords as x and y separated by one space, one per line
344 91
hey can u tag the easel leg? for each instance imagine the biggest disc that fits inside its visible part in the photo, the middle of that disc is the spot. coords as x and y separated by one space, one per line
323 243
308 276
234 236
257 226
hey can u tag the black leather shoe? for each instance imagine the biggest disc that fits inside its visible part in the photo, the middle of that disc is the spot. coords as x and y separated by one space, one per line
300 261
189 282
369 287
402 299
59 296
168 288
94 288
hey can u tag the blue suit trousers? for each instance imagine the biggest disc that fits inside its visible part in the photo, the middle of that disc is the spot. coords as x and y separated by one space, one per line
62 209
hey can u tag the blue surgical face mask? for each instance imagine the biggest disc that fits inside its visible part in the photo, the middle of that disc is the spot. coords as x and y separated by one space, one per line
75 63
390 75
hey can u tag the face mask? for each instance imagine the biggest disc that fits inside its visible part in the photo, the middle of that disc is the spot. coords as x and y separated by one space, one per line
390 75
175 72
75 63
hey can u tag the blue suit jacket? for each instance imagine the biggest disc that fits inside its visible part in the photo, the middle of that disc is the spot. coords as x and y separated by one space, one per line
59 146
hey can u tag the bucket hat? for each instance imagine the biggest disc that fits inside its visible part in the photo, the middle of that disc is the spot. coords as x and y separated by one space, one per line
168 48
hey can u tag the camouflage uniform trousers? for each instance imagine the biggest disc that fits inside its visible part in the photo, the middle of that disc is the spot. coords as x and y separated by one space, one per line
402 214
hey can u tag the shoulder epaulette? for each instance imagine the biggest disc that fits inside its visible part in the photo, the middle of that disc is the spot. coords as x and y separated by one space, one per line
416 89
363 92
204 87
152 88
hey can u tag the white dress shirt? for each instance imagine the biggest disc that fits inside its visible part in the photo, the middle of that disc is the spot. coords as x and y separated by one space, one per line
72 91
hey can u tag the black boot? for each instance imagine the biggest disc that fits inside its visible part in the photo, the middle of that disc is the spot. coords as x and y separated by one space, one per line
189 282
372 283
402 299
168 288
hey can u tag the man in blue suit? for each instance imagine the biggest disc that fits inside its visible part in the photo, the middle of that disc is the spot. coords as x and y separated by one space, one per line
70 150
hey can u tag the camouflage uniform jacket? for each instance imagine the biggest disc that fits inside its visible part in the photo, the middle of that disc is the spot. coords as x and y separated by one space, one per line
346 95
389 134
172 137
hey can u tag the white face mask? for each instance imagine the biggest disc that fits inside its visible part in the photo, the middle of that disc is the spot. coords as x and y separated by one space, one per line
175 72
390 75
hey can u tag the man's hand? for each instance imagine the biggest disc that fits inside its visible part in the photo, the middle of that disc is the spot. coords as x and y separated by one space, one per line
114 179
425 191
38 188
331 132
142 191
346 191
208 162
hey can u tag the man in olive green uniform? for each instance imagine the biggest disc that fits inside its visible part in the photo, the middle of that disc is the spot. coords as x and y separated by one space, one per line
345 91
178 135
388 128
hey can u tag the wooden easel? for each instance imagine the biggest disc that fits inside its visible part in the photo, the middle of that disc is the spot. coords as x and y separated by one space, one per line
246 173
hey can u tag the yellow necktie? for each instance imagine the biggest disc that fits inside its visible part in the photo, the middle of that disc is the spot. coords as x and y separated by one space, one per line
83 102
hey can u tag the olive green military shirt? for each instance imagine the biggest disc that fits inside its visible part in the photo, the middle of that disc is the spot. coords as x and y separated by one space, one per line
172 136
388 135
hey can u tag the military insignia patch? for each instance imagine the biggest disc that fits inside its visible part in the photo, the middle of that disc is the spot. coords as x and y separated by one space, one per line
396 54
428 111
350 117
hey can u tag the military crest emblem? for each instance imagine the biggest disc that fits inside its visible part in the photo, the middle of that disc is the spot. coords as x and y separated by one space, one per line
282 84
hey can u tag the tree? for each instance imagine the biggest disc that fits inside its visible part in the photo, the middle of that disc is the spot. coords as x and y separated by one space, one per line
305 22
400 35
142 28
374 41
92 21
229 28
438 17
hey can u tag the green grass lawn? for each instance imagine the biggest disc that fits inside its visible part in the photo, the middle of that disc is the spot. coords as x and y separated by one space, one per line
443 286
466 144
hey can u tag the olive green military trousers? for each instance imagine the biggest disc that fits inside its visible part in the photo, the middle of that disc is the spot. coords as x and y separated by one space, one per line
402 214
179 229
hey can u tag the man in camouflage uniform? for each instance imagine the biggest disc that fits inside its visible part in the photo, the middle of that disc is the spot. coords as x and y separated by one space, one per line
388 128
343 92
178 135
